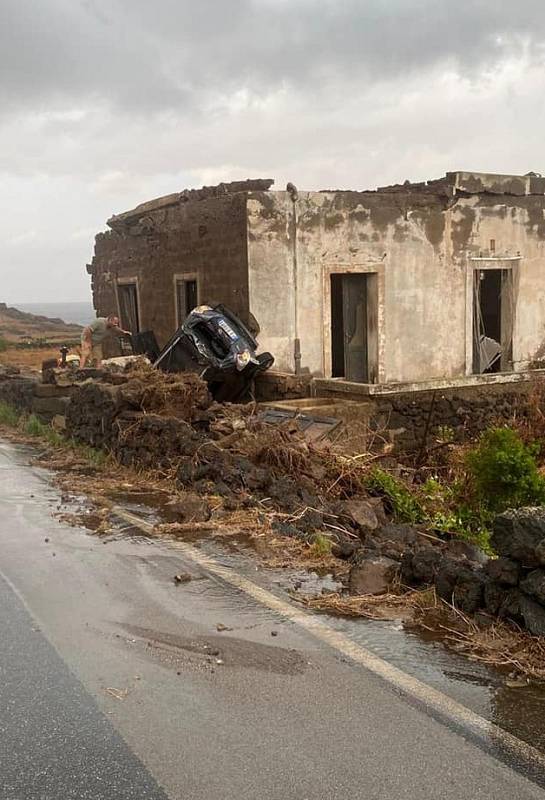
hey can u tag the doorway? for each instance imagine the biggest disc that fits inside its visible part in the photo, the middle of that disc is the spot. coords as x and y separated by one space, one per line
127 298
354 327
493 316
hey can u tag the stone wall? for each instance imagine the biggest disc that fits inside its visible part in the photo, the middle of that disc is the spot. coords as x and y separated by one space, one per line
511 586
462 413
29 395
270 386
16 389
401 419
202 236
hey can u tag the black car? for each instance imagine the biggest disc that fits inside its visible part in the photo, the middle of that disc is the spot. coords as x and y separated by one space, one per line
217 345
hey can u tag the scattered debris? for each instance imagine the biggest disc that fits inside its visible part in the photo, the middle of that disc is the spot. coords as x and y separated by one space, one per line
119 694
182 577
490 641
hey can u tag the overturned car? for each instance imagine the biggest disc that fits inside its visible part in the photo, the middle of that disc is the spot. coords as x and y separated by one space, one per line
217 345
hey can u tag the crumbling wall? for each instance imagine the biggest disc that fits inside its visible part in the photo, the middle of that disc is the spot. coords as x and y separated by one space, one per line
275 385
507 232
424 243
399 236
402 419
204 235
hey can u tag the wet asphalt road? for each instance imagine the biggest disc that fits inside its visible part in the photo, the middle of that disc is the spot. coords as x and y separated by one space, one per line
115 683
54 742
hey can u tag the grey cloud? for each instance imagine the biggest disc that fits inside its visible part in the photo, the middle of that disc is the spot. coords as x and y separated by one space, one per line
106 103
144 56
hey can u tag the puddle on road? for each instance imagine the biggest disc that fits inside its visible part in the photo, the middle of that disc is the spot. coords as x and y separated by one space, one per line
483 689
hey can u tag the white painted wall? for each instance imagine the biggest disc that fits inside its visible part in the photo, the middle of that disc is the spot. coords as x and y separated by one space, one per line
422 256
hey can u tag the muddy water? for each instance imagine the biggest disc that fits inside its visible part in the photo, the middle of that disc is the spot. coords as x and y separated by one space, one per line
521 710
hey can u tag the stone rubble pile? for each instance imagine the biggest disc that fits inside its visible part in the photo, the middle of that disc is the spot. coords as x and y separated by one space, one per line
511 586
149 419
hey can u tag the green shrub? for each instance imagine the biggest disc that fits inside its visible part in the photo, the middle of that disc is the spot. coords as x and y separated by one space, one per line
399 499
503 473
3 344
321 545
33 427
9 415
95 457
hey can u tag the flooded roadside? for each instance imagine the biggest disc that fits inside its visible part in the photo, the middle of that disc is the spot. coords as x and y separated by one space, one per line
487 691
495 694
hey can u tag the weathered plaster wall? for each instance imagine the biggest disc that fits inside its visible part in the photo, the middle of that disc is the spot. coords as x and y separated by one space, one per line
397 236
273 253
206 237
421 245
271 274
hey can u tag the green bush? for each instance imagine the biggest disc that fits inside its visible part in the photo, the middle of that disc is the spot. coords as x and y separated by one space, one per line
503 473
98 458
321 545
9 415
3 344
399 499
33 427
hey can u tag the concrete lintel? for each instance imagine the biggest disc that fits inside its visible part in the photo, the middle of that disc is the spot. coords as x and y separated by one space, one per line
377 389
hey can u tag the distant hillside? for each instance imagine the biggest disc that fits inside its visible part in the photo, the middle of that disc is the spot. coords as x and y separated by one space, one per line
80 313
18 325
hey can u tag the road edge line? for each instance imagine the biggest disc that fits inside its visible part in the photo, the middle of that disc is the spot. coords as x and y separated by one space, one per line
431 698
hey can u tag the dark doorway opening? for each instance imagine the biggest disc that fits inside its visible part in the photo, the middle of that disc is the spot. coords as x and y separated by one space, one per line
353 327
492 321
127 296
186 298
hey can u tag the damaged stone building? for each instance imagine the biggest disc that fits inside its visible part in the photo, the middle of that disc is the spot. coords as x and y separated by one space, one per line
412 285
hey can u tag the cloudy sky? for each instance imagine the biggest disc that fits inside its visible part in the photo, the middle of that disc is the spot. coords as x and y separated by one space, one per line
107 103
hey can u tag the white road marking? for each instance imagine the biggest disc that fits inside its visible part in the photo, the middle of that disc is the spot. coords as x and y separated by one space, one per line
432 698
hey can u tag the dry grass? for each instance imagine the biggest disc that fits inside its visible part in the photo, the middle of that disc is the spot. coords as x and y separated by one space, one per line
76 476
530 424
28 358
253 527
489 641
379 607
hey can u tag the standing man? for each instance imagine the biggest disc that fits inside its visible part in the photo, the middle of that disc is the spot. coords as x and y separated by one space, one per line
93 336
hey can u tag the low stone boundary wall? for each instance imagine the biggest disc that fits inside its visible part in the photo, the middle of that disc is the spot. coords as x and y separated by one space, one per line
281 386
407 419
16 389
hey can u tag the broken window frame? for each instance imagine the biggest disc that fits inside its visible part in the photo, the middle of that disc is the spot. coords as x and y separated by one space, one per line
508 266
125 322
185 278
